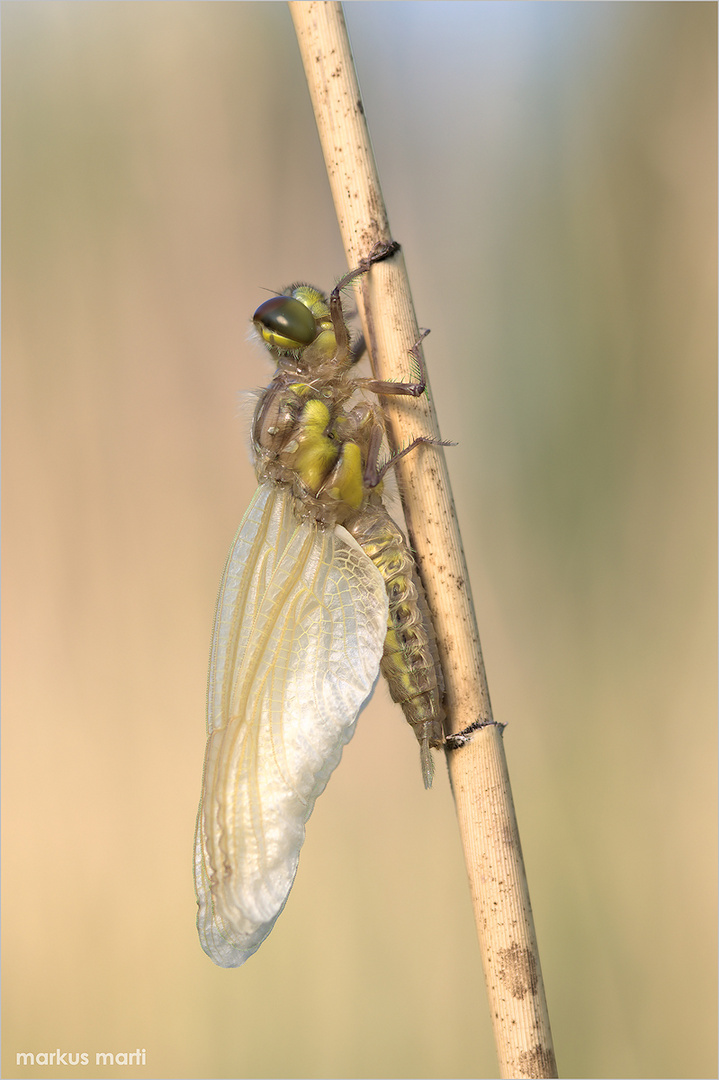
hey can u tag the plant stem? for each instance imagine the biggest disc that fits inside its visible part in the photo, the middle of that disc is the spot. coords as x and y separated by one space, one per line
478 770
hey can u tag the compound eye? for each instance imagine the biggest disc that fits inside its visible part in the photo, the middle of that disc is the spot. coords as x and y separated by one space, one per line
285 323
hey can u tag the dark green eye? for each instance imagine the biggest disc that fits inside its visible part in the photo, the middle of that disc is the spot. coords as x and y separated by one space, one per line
285 323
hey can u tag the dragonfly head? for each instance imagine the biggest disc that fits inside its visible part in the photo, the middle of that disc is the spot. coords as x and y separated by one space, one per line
289 323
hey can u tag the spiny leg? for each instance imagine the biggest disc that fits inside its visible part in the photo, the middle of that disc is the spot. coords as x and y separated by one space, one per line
373 472
408 389
378 253
461 738
421 440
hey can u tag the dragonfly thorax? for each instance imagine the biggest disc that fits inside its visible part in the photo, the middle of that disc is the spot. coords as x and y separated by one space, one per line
304 436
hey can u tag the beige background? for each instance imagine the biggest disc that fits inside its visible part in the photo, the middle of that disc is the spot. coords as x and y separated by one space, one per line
549 169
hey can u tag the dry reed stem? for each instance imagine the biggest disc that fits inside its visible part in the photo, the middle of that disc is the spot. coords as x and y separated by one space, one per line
478 771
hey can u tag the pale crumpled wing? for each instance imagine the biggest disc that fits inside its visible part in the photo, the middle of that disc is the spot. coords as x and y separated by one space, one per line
299 631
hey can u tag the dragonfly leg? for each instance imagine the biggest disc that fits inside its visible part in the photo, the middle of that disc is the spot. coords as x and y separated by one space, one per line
421 440
408 389
461 738
377 254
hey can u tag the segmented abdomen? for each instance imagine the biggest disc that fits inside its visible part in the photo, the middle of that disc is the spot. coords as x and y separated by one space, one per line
410 662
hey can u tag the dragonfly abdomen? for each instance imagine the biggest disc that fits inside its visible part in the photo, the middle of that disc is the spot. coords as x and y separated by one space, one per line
410 662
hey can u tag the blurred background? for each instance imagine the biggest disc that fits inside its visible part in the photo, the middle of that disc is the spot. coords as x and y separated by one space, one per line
550 171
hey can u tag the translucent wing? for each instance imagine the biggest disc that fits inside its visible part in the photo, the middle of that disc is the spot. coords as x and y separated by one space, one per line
299 631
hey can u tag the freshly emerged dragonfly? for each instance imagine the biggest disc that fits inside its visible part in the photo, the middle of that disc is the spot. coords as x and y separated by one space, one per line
319 593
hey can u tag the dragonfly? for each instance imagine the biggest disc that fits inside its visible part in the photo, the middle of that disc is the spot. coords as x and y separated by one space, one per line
320 592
